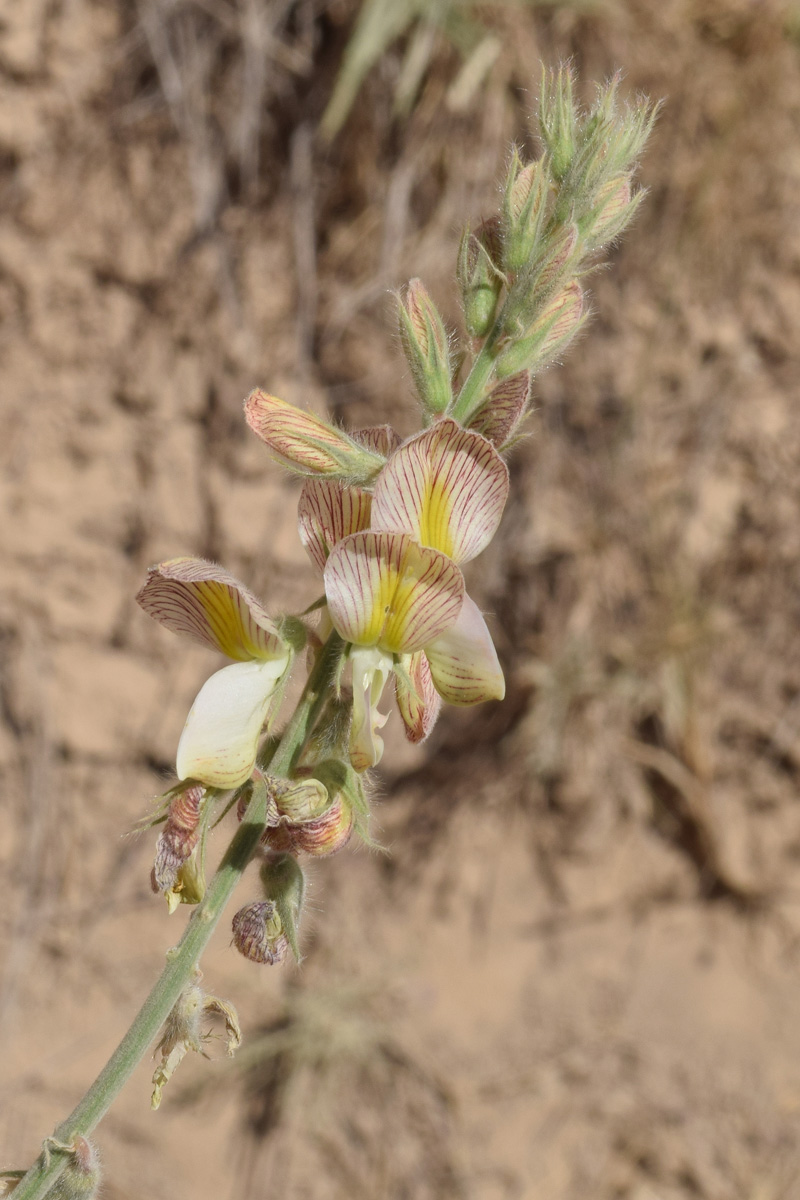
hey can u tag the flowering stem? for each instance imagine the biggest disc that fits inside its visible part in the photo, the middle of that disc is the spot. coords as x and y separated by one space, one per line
183 959
471 394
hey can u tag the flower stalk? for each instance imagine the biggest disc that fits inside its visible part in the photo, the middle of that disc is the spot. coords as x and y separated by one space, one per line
183 959
388 525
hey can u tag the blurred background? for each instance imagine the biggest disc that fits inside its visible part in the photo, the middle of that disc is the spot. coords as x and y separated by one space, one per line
576 973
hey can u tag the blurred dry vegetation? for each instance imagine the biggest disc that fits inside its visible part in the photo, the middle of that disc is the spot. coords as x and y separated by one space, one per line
576 974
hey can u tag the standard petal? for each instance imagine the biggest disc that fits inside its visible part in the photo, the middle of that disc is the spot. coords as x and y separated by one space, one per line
304 442
219 742
447 487
329 511
203 601
463 661
380 438
419 705
385 590
371 669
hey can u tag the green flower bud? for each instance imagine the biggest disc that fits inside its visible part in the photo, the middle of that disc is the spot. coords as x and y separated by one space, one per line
548 334
524 210
426 347
479 276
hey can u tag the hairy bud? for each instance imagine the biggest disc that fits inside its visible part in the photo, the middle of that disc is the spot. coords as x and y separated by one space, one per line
425 344
549 333
479 277
306 444
558 119
524 209
503 409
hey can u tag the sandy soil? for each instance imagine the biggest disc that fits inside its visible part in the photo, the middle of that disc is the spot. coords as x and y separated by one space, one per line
576 973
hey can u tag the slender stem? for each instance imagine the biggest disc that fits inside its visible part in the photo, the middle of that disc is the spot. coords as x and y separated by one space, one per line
183 959
471 393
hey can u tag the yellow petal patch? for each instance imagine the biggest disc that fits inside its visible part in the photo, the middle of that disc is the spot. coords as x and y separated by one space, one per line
447 488
385 590
203 601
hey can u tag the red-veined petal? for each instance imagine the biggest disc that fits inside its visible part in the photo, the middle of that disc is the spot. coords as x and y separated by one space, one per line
419 707
205 602
329 511
446 487
386 590
463 661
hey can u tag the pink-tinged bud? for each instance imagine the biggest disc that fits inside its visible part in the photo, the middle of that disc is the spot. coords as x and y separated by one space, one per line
557 325
503 409
425 343
258 933
178 838
524 210
613 208
479 276
305 443
559 260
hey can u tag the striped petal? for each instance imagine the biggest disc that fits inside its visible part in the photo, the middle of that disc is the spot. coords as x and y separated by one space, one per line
419 704
371 669
380 438
385 590
304 442
446 487
329 511
219 742
463 661
203 601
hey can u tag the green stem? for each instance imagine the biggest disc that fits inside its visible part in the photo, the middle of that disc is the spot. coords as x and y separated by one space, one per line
471 395
183 959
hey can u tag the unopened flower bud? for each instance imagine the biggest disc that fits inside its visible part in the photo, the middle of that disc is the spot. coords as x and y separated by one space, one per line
424 340
556 326
258 933
558 261
613 209
306 444
524 209
479 276
179 837
503 409
558 119
284 885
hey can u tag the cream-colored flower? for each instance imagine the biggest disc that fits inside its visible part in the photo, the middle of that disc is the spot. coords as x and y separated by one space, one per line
220 739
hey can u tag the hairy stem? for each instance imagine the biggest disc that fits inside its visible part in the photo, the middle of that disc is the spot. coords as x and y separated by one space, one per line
183 959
